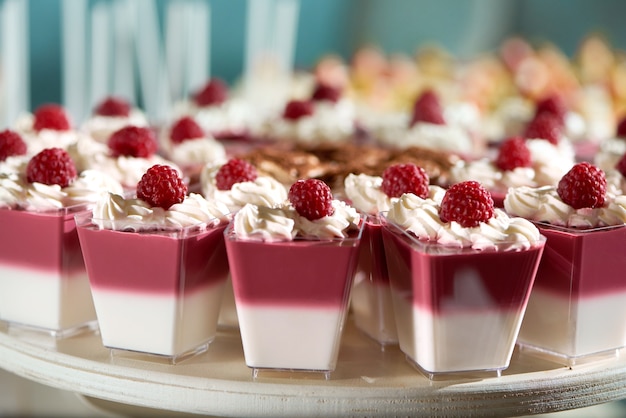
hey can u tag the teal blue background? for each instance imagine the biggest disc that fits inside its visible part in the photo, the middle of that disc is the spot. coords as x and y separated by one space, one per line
464 27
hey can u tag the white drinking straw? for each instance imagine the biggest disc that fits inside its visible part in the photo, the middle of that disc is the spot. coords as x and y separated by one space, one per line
176 46
14 58
101 60
151 63
123 50
199 42
74 63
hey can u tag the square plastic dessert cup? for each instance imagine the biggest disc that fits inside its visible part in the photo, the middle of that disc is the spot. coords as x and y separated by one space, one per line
43 281
371 303
292 300
457 309
577 310
156 292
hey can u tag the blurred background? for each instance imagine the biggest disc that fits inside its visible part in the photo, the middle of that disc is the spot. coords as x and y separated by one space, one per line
154 51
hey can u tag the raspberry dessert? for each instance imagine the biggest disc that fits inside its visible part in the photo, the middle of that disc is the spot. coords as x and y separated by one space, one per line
37 209
325 116
186 144
126 156
579 282
460 272
518 162
585 121
111 114
431 124
237 182
157 267
371 296
222 114
49 126
291 305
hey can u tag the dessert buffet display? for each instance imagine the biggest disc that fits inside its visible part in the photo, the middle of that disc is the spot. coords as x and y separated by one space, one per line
450 209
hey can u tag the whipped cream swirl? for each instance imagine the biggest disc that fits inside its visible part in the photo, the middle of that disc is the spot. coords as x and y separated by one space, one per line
421 217
88 188
543 204
329 123
283 223
101 127
365 194
131 214
263 191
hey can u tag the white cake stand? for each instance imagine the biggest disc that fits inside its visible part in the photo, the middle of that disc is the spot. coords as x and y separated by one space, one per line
367 381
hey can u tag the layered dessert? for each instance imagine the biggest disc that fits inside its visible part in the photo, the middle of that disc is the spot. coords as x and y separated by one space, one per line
186 144
292 269
41 265
126 155
49 126
221 115
578 306
371 302
461 272
157 267
327 116
111 114
430 124
236 183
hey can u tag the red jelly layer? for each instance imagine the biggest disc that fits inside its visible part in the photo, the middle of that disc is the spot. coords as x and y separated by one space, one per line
372 259
459 280
45 241
578 263
292 273
151 262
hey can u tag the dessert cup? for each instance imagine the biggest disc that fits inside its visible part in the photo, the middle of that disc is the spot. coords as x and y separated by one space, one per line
292 299
577 309
457 309
371 303
156 292
43 282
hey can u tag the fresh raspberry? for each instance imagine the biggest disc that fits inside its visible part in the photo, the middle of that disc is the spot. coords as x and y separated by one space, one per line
311 198
513 153
326 92
185 128
51 116
583 186
405 178
427 109
467 203
11 143
113 106
552 104
296 109
621 128
214 92
161 186
234 171
544 126
51 166
133 141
